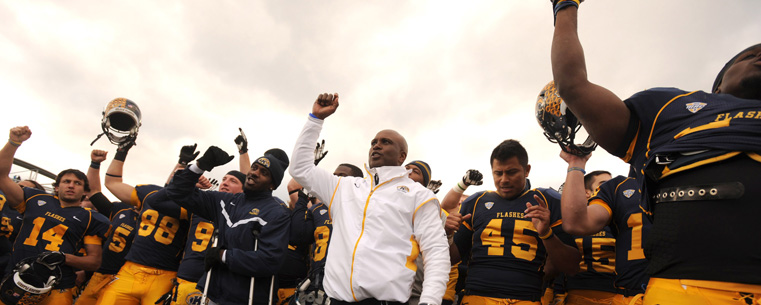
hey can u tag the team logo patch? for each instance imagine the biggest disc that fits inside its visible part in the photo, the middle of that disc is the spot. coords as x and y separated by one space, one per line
264 161
628 193
403 189
695 107
322 212
255 211
489 205
41 202
194 298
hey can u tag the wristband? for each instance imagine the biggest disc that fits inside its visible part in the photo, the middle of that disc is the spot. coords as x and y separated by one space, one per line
314 116
547 236
94 165
120 155
14 143
570 169
459 187
559 5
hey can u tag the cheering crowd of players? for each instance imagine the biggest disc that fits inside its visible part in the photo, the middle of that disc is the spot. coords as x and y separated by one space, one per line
679 229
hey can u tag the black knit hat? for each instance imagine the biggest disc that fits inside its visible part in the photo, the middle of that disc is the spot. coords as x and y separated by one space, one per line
276 161
238 175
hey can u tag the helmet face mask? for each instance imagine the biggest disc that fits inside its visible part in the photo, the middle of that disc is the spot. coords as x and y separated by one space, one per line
558 122
121 120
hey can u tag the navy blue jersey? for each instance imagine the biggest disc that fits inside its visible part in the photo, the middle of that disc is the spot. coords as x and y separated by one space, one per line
598 262
160 238
668 120
679 139
47 226
123 221
9 226
323 226
296 264
502 248
630 226
199 238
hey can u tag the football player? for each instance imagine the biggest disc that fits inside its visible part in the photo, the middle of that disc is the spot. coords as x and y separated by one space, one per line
508 236
53 222
695 154
123 219
154 258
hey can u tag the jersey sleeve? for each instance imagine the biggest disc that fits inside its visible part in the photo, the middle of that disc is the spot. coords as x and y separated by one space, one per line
644 108
605 195
140 192
29 193
98 229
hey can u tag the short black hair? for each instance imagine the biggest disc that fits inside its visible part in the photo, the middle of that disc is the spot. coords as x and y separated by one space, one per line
355 171
588 178
79 174
508 149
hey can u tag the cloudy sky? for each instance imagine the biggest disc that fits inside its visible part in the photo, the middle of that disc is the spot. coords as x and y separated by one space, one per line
455 77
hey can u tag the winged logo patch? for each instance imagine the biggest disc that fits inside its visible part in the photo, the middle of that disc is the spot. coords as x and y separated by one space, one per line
695 106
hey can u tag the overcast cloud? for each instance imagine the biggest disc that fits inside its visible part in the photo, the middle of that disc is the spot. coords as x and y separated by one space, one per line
455 77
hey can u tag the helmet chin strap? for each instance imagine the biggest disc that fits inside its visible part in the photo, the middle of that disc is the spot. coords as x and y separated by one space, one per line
97 138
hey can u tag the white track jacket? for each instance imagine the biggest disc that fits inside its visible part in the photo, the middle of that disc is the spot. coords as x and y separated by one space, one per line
380 225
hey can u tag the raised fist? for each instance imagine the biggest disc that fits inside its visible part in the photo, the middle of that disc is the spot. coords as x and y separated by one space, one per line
473 177
325 105
98 155
20 134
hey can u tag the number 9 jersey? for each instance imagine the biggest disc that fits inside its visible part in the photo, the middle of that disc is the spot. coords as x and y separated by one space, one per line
504 253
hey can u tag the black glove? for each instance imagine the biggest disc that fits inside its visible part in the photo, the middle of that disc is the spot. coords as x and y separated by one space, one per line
123 149
188 153
242 142
319 152
213 157
473 177
213 258
51 259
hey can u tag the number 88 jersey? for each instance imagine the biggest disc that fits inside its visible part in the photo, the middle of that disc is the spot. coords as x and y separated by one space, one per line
161 236
504 253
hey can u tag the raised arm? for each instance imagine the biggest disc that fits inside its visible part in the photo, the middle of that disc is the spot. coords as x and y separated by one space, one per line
14 195
316 180
113 180
451 200
97 156
187 153
579 218
601 112
182 188
244 161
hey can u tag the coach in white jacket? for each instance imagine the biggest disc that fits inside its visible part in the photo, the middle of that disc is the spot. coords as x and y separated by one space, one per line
380 223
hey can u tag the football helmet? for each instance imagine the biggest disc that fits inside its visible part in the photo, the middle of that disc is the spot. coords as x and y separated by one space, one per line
121 121
558 122
32 279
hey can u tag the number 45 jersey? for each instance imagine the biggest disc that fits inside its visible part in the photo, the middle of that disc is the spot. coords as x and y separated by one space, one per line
49 227
505 255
